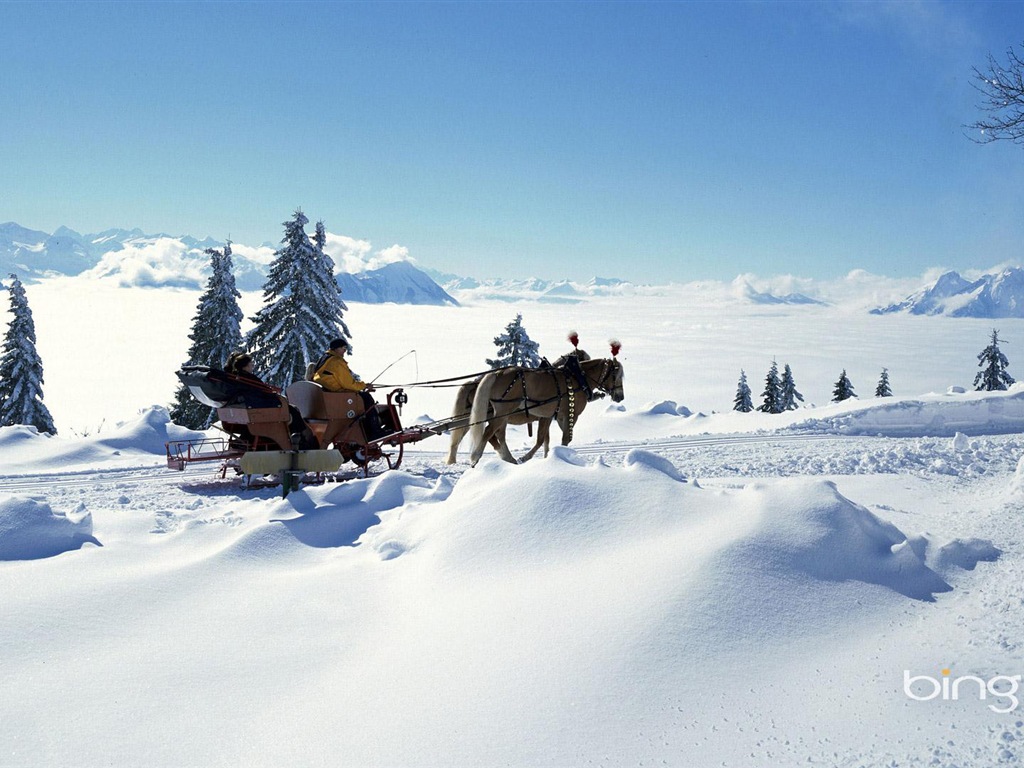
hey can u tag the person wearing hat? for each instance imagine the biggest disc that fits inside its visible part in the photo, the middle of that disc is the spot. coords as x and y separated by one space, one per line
332 371
256 393
333 374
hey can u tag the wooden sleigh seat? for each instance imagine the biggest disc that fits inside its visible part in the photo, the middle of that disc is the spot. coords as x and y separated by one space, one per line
333 417
265 425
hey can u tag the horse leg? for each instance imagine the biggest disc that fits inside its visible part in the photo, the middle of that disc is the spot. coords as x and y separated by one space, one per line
457 435
543 438
461 410
502 444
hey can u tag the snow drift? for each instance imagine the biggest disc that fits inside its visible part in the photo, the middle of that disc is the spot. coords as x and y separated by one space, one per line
30 530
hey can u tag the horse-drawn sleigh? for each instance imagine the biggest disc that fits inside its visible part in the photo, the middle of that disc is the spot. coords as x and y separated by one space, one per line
261 441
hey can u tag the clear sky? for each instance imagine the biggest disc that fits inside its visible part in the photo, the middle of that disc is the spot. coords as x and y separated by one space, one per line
649 141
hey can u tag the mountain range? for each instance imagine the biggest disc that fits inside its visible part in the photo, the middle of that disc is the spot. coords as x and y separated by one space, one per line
990 296
134 258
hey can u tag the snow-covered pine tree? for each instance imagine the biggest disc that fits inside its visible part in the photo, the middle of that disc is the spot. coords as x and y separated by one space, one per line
330 289
993 376
742 401
21 369
843 389
302 307
788 396
215 335
515 347
883 389
772 395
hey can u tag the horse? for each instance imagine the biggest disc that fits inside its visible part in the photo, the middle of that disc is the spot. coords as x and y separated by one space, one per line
464 405
504 397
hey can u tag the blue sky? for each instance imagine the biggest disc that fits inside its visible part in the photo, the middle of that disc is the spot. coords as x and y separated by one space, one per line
649 141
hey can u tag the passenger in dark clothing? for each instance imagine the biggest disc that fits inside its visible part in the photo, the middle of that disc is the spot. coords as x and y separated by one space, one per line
258 394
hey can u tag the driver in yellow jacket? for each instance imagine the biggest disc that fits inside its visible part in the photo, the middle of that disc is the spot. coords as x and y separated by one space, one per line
332 371
333 374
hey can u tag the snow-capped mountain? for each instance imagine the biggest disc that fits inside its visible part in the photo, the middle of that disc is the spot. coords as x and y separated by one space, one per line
533 288
990 296
133 258
398 283
745 291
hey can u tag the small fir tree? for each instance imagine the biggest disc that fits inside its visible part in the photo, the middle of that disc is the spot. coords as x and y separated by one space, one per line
302 307
772 395
515 347
993 375
843 389
789 396
215 335
742 401
883 389
21 369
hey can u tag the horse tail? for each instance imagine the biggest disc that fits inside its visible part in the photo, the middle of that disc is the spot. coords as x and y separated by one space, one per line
460 418
478 413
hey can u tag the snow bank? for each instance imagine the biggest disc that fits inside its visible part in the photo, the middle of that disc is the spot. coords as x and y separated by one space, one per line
30 530
136 442
931 415
970 413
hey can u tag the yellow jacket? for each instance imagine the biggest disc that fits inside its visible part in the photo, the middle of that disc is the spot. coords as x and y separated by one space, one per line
334 375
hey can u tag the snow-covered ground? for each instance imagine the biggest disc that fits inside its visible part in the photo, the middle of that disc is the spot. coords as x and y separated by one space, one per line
684 586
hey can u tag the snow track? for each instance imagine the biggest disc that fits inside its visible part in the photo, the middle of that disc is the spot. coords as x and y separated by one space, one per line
711 455
89 478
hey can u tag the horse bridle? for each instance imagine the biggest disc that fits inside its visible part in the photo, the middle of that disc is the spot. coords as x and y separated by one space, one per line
606 370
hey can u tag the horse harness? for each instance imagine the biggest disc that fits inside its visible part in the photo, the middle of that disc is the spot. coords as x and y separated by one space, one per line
573 374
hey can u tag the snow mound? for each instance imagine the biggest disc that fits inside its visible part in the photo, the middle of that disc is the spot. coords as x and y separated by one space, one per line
965 554
652 461
813 529
946 415
147 433
665 407
729 558
17 437
30 530
136 442
328 516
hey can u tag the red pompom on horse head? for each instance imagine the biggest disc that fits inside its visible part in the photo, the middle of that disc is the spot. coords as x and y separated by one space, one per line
574 339
616 346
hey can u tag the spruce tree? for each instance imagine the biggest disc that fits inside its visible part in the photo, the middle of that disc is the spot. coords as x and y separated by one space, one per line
843 389
742 401
302 307
215 335
772 395
883 389
515 347
21 369
788 395
328 291
993 376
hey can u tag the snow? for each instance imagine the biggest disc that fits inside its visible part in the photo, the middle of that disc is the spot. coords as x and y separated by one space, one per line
684 585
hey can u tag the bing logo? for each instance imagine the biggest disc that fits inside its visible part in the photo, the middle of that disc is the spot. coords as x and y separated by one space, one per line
1001 688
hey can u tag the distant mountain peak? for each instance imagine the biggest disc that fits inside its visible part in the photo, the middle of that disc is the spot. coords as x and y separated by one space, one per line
993 295
134 258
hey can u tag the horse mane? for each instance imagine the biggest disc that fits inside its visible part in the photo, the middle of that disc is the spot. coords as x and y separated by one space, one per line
579 354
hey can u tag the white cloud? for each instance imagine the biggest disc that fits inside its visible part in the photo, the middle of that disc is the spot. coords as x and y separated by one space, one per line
259 254
152 263
353 256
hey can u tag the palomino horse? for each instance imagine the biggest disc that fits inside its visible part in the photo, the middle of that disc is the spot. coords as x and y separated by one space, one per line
464 405
544 393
